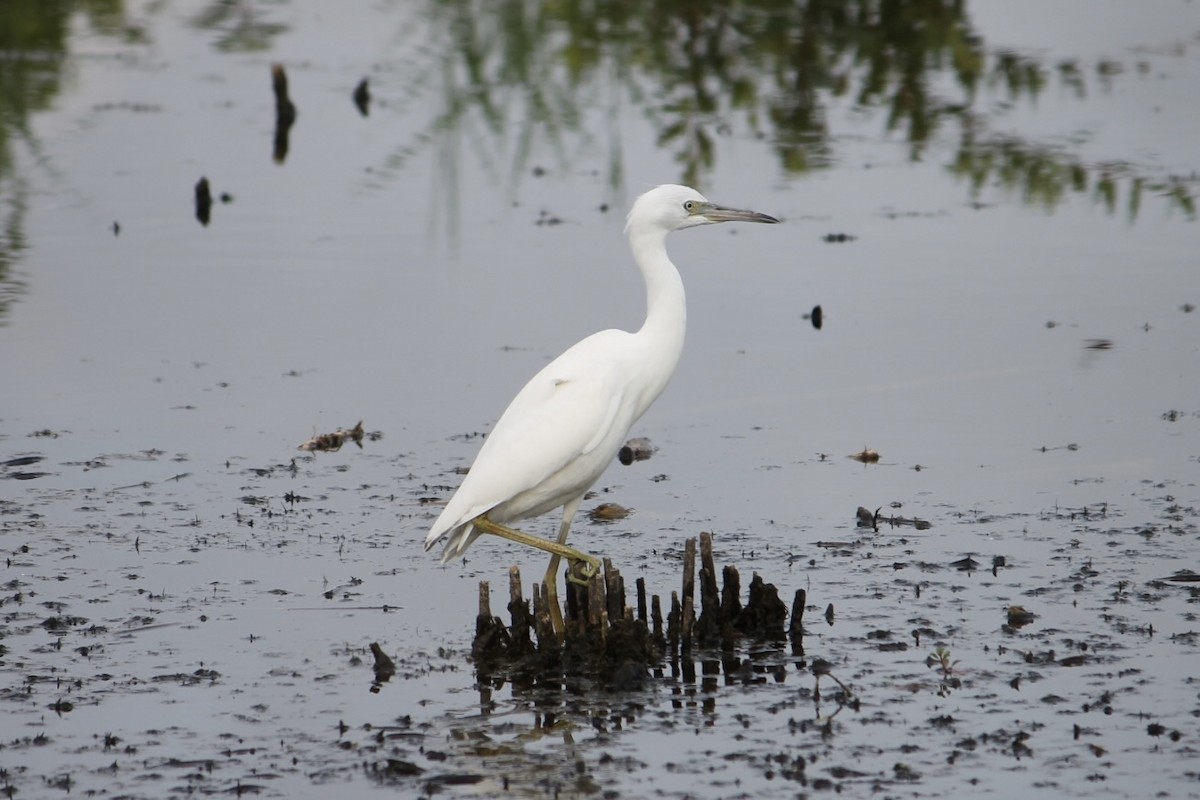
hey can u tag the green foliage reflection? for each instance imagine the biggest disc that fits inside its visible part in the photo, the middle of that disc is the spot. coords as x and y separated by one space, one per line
34 39
32 35
777 71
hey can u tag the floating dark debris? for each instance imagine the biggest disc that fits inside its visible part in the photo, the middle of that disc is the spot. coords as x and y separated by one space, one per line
285 112
393 769
639 449
609 512
838 238
1018 616
1098 344
965 564
332 442
203 201
816 317
385 668
866 456
22 475
362 98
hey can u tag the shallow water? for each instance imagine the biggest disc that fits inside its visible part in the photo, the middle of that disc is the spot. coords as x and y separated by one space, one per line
188 599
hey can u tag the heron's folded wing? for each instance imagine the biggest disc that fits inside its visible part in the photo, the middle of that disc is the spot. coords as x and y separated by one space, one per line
565 411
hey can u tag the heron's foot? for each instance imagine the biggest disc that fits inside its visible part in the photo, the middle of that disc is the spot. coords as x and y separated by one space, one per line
583 569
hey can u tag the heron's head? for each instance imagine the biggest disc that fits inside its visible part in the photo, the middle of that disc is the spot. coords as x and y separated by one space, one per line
671 207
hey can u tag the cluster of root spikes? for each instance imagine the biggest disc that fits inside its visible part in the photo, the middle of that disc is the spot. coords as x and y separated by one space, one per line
615 643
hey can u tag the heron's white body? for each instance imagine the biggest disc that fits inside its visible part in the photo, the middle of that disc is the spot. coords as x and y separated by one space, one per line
566 426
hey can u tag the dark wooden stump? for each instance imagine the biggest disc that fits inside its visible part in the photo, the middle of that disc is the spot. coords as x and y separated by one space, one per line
615 644
731 602
491 637
520 644
687 619
708 632
764 614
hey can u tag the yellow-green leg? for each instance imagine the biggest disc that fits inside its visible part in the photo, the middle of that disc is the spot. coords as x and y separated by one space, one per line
558 550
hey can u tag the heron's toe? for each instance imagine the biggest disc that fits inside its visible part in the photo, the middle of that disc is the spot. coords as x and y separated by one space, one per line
583 570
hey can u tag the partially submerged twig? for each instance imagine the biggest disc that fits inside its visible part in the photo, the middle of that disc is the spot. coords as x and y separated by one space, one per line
385 668
865 518
203 201
362 97
285 112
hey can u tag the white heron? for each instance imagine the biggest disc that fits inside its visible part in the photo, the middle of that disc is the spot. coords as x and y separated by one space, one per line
565 427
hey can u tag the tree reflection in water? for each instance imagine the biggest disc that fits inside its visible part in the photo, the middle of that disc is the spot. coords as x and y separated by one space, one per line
511 80
773 70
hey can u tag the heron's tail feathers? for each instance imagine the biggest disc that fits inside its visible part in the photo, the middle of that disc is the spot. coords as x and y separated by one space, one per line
458 539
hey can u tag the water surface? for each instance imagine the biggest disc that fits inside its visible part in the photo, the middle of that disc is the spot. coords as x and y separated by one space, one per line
992 204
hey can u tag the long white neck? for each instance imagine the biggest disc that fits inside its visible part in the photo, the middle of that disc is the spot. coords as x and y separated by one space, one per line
666 304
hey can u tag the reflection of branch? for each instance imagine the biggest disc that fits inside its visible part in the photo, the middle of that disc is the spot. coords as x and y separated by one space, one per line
12 244
1043 176
13 205
1021 75
241 30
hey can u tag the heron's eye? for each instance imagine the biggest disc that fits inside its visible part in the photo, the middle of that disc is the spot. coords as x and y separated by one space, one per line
689 206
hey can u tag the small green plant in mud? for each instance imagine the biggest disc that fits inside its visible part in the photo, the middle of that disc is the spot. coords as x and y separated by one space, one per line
941 660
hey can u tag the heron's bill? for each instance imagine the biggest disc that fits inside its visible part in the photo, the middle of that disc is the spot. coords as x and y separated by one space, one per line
716 213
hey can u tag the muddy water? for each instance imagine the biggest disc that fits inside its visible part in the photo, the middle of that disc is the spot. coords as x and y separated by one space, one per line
996 218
